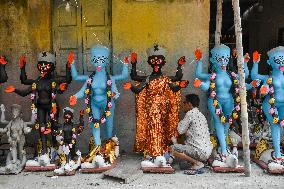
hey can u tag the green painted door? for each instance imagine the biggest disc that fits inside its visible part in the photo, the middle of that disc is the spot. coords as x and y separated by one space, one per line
77 28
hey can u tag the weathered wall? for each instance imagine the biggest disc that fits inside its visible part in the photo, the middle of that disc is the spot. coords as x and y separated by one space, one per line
25 27
178 25
25 30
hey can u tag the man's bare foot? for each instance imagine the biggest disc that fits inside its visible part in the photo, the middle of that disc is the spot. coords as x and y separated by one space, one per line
198 165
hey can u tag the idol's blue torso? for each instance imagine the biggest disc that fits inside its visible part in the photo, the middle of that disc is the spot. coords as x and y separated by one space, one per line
276 61
223 82
100 59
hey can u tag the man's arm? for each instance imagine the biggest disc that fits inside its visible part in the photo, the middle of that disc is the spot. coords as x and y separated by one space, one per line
184 124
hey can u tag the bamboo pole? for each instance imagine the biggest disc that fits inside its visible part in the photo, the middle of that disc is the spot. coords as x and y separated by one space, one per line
218 31
244 113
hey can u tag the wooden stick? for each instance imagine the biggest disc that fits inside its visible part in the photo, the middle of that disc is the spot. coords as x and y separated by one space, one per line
218 31
244 113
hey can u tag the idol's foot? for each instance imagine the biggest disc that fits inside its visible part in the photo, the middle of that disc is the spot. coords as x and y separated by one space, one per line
157 165
12 168
67 168
42 160
97 162
159 161
276 164
226 161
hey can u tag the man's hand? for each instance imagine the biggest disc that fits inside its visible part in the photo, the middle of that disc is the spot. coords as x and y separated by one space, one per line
10 89
187 133
174 140
198 54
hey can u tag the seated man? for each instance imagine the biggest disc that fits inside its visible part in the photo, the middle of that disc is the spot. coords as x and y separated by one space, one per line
198 146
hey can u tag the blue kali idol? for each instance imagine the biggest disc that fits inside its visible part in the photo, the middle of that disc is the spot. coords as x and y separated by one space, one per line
273 104
224 98
100 91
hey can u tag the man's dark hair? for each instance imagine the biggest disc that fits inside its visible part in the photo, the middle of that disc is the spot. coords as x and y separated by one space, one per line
193 99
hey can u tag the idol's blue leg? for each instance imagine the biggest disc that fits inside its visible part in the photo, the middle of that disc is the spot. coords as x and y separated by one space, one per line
275 128
109 123
96 131
219 127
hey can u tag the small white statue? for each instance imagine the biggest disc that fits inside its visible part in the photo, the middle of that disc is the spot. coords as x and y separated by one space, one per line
159 161
15 130
97 162
68 167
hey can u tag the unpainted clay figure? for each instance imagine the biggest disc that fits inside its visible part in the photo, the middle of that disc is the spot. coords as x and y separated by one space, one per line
15 130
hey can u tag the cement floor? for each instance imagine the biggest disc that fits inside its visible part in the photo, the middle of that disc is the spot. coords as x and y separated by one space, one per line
211 180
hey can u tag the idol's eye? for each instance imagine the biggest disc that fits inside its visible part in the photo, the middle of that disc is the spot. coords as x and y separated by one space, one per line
226 59
219 59
279 60
159 61
94 59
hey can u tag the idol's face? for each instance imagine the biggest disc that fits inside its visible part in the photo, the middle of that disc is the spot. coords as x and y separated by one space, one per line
16 112
99 57
68 116
45 67
276 60
220 57
156 62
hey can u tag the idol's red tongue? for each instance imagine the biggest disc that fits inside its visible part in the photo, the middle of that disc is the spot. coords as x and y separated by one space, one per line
223 67
281 68
99 68
156 68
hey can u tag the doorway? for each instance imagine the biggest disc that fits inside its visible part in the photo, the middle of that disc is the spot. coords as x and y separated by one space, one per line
77 26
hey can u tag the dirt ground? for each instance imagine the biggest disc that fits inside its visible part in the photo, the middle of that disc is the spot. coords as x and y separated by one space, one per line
258 179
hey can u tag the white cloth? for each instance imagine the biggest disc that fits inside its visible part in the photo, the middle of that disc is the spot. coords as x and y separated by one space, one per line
195 127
